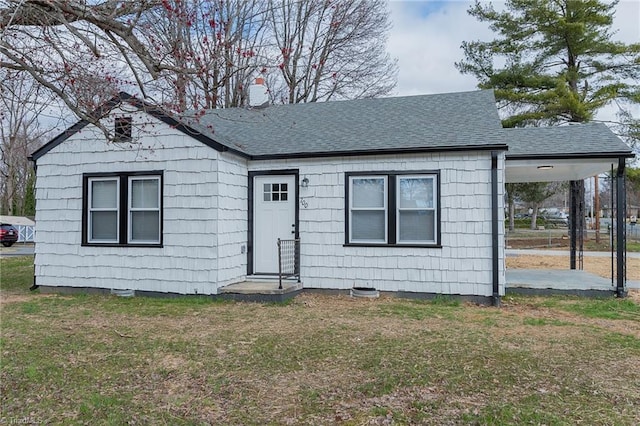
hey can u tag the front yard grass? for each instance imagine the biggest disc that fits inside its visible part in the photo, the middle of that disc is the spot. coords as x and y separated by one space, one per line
319 359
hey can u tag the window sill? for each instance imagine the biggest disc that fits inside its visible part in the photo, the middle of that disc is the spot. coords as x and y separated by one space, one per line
120 245
438 246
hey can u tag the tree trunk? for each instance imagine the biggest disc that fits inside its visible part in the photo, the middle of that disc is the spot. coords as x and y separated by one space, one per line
512 212
10 190
534 216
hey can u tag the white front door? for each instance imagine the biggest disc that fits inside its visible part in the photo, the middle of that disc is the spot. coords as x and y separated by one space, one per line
274 216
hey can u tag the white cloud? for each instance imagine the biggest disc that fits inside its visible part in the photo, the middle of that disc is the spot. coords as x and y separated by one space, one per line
426 38
427 46
626 25
627 21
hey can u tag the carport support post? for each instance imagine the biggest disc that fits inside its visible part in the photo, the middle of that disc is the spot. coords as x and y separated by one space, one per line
621 231
576 189
495 229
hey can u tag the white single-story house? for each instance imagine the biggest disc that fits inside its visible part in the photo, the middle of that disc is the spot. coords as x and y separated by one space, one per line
400 194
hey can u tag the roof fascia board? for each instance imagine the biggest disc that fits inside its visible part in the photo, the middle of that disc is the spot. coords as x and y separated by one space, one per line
57 140
369 152
101 111
587 155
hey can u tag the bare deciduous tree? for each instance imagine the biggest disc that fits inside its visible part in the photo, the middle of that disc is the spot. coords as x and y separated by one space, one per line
223 43
308 50
59 43
184 54
332 49
22 104
202 52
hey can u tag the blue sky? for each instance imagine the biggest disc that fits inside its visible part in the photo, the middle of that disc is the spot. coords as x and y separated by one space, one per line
426 38
424 8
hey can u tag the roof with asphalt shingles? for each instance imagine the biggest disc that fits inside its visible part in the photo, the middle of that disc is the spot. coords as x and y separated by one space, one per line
592 138
441 121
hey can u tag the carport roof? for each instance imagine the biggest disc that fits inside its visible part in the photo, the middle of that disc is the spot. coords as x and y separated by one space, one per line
575 141
572 152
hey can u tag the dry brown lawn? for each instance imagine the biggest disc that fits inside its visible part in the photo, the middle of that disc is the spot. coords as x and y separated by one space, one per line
318 360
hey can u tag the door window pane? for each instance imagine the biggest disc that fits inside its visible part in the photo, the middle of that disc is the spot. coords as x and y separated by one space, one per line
275 192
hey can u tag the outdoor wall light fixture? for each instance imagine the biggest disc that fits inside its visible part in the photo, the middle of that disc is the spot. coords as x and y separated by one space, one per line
305 182
545 167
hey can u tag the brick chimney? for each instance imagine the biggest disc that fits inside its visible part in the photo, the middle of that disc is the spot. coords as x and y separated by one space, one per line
258 94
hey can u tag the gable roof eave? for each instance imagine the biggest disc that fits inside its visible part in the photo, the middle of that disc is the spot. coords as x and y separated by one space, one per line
183 127
155 112
66 134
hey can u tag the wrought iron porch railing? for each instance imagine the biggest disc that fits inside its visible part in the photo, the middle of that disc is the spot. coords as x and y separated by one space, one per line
288 260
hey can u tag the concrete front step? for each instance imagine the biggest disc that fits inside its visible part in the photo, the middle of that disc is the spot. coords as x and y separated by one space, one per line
261 287
261 290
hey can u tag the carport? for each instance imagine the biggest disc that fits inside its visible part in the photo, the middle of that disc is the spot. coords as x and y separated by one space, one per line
573 153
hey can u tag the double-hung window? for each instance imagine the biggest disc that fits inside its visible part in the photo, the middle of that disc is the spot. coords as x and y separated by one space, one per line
103 210
368 209
416 209
393 208
122 209
144 210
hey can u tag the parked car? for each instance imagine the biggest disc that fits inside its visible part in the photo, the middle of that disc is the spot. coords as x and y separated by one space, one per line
556 218
8 234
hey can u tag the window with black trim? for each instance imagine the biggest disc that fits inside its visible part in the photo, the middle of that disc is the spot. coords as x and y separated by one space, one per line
103 207
122 129
393 208
122 209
